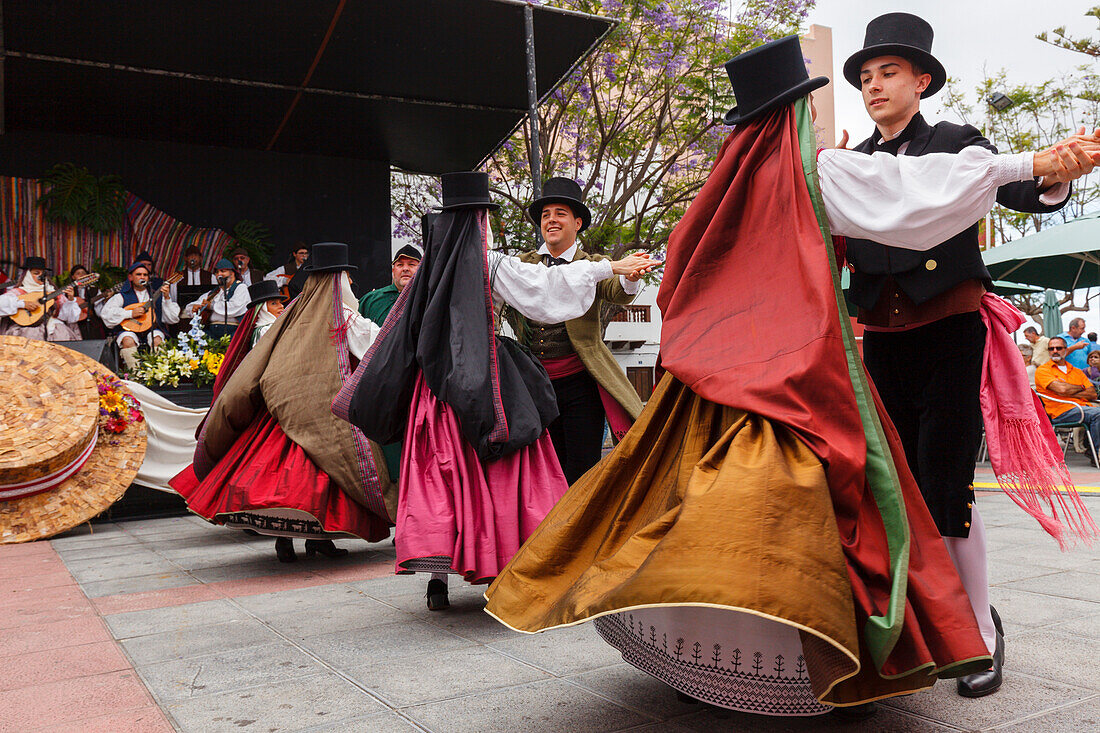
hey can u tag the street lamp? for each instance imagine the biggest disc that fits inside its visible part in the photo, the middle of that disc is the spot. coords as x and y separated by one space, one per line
1000 101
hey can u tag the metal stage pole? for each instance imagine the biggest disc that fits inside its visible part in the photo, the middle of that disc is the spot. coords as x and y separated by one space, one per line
533 153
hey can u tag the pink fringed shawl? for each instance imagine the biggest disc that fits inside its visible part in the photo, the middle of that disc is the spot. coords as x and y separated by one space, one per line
1022 446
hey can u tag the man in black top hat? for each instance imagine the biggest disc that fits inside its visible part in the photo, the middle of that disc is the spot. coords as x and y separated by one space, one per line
909 300
589 384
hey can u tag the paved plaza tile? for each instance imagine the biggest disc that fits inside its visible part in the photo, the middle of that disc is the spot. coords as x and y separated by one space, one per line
175 624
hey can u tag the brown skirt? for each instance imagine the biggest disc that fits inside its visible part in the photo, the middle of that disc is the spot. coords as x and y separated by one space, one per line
709 506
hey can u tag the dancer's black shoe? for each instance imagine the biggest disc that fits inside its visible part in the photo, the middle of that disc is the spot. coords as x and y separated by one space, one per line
985 683
284 549
324 547
437 595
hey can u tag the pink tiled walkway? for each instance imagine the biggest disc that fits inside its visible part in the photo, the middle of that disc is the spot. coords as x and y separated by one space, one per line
62 669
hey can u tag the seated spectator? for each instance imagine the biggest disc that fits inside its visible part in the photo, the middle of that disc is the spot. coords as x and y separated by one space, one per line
1067 392
1093 370
1027 352
1039 355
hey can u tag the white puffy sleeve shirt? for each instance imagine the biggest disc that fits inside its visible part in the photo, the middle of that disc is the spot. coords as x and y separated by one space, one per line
546 294
913 202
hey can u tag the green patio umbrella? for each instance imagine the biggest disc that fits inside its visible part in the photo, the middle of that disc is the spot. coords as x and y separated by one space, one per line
1064 257
1052 317
1004 288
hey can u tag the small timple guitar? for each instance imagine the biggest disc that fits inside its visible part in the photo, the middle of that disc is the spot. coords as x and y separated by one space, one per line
34 315
145 321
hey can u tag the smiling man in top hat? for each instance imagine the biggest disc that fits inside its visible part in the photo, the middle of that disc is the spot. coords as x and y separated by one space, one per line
910 299
589 384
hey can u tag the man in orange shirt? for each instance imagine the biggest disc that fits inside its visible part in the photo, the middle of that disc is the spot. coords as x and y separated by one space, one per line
1063 381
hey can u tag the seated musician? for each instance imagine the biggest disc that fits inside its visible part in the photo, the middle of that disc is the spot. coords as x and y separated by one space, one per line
125 314
223 306
90 325
58 318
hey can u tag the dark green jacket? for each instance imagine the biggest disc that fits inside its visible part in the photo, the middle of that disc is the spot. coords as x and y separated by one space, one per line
376 305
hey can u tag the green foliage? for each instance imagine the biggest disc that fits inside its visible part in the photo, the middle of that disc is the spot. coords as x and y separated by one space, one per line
1087 46
79 198
109 275
256 240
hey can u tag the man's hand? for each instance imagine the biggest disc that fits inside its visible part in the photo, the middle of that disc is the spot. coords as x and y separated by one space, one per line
138 312
1076 346
1068 159
634 266
166 291
69 292
843 144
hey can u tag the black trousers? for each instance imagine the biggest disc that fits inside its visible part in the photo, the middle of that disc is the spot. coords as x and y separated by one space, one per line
928 378
578 431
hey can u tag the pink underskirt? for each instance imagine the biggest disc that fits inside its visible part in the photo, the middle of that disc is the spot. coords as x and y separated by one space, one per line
453 507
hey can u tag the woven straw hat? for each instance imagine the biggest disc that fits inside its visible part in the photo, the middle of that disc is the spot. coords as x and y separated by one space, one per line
50 427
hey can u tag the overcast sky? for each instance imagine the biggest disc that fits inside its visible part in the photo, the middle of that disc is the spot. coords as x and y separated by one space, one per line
969 35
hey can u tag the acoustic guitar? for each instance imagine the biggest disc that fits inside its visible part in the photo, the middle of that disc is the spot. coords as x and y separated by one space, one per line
144 322
34 315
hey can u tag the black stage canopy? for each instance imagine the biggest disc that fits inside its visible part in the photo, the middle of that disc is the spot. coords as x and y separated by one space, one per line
427 85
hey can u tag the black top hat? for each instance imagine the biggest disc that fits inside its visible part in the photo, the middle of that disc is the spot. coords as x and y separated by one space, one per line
34 263
561 191
264 290
328 257
898 34
768 77
407 251
466 189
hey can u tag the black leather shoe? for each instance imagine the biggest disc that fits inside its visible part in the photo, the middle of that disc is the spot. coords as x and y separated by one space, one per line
985 683
996 620
324 547
855 713
437 595
284 549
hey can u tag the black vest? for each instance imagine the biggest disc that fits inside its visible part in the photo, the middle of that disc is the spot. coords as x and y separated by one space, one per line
924 275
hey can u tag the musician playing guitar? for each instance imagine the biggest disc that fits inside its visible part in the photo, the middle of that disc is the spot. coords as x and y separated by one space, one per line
225 304
131 305
59 317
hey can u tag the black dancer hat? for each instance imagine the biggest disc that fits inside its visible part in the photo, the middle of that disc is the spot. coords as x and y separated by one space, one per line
328 257
466 189
561 191
898 34
262 291
35 263
767 77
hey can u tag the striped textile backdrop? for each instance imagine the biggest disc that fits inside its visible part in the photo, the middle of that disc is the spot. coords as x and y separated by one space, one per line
24 231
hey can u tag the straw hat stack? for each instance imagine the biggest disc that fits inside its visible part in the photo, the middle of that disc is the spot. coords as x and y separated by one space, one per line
58 469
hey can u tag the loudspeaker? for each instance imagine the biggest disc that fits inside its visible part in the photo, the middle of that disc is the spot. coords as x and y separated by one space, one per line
98 349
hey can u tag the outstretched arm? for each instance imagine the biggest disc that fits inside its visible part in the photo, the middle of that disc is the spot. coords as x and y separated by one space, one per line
918 202
555 294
